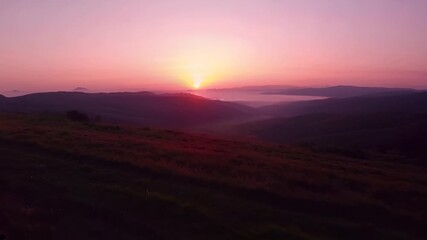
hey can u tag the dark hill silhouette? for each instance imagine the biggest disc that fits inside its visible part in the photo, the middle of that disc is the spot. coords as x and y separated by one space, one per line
167 110
340 91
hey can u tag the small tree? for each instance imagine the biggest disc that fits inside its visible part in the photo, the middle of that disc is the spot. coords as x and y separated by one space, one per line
98 118
77 116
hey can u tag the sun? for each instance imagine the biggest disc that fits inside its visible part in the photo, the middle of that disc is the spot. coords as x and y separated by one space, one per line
197 85
197 82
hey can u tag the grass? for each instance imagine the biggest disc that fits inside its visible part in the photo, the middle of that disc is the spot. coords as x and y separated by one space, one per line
67 180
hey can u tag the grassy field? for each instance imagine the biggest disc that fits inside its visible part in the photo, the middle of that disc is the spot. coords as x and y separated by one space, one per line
67 180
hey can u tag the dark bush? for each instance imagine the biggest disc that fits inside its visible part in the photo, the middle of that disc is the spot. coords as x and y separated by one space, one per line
77 116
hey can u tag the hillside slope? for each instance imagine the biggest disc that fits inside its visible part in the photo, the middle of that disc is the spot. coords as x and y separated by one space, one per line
66 180
378 122
403 132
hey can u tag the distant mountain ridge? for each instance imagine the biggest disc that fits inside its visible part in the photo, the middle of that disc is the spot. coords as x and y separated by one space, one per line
165 110
404 102
339 91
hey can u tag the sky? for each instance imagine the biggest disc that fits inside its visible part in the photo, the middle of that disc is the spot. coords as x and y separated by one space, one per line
110 45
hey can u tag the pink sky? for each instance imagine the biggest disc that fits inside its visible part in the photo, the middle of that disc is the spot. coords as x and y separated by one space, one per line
133 45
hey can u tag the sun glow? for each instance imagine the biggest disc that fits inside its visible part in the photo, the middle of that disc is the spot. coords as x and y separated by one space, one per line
200 71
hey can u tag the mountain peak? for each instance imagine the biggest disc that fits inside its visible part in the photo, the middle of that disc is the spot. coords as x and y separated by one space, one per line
80 89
